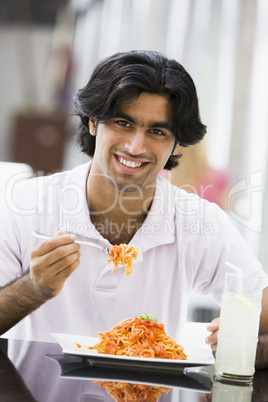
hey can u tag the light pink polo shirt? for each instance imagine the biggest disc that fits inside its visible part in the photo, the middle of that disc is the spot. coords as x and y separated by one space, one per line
186 240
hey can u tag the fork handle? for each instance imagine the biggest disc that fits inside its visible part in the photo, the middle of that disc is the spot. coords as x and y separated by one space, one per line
41 236
46 237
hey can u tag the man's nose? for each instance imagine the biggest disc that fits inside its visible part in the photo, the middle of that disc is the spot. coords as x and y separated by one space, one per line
135 143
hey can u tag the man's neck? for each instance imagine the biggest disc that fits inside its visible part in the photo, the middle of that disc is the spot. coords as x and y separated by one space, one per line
117 215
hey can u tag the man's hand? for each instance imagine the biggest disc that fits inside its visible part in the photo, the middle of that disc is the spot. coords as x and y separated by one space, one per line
212 339
52 262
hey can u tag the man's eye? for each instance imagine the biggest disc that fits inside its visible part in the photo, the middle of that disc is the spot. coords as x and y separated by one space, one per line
157 132
122 123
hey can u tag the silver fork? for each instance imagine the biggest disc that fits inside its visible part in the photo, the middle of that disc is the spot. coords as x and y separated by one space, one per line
106 250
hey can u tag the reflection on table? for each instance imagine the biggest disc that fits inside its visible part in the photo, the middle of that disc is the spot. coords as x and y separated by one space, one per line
37 371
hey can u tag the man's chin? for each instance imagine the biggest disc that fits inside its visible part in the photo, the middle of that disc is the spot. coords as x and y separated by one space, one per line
125 187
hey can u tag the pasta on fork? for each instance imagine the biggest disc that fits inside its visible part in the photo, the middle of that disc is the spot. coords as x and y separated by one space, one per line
123 254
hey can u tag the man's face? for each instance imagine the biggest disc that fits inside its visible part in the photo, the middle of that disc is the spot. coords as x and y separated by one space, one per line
135 145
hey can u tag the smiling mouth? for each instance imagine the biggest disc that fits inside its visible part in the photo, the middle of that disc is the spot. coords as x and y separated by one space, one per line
130 164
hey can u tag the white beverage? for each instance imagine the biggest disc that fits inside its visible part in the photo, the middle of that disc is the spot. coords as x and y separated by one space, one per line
222 392
238 335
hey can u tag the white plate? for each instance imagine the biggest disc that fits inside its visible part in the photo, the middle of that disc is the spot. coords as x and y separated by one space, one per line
68 343
78 368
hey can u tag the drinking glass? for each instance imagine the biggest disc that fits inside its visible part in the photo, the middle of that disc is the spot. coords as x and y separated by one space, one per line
222 392
238 331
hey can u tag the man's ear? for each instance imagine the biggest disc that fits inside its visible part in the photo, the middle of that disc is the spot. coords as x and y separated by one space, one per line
92 124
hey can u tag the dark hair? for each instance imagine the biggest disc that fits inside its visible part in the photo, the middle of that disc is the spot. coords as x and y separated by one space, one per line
123 77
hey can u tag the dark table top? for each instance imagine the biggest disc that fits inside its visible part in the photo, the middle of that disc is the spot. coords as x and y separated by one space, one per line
39 371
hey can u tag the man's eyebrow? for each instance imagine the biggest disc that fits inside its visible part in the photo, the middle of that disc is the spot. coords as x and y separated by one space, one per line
155 124
123 115
161 124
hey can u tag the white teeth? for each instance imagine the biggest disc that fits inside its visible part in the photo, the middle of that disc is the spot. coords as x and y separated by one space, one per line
129 164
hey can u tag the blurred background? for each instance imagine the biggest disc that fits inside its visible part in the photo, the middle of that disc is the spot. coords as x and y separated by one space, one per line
48 51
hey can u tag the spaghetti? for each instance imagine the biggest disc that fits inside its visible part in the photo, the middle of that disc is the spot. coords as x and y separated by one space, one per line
138 337
123 254
122 392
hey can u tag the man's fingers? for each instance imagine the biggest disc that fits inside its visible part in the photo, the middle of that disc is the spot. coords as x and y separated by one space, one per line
212 339
61 232
65 262
61 255
52 244
49 271
67 271
205 398
56 259
214 325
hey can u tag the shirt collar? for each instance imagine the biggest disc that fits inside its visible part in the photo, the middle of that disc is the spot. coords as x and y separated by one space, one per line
159 225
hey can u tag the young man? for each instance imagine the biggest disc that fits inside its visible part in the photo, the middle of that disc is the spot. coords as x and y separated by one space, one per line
136 108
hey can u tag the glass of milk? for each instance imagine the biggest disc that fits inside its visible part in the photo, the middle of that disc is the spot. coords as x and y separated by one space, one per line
238 331
222 392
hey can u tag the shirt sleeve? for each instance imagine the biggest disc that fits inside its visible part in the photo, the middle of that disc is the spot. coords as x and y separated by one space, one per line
15 233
